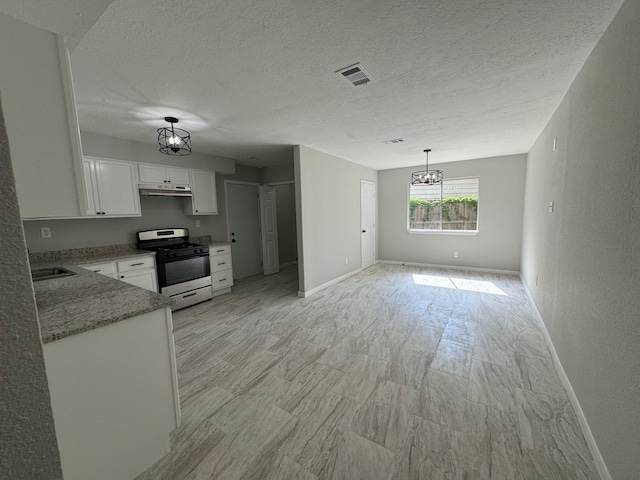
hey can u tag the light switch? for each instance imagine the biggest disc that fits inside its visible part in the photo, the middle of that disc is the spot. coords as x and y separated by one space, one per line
550 207
45 232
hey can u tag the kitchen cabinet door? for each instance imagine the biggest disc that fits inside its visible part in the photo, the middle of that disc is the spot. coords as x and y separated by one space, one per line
160 174
117 188
177 176
204 200
143 279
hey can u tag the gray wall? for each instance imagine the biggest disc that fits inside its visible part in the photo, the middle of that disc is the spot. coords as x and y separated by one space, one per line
28 445
157 212
328 214
585 254
497 243
121 149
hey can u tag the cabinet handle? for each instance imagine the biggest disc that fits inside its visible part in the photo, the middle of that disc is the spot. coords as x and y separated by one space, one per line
222 280
136 264
96 271
121 276
221 250
222 263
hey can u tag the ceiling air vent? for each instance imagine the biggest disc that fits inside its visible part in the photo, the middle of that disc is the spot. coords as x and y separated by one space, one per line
356 75
393 140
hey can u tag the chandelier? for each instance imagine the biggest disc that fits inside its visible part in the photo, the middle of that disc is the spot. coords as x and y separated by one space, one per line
426 176
174 141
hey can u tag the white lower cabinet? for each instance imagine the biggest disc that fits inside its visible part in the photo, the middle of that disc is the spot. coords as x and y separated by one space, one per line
221 269
139 271
114 395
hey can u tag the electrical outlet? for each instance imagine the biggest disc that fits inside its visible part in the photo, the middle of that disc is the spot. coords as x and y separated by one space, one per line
45 232
197 223
550 207
346 260
455 254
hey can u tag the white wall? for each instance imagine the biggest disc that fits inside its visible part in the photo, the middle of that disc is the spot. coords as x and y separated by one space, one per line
497 243
328 214
33 92
28 445
585 254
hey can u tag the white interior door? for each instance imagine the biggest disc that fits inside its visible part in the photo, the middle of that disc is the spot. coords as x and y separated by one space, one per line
244 228
367 221
270 257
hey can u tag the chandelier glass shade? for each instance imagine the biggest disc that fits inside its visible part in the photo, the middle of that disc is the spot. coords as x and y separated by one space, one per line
174 141
426 176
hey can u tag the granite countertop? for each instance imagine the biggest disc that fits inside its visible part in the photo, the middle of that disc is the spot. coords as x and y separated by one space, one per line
218 244
85 301
79 303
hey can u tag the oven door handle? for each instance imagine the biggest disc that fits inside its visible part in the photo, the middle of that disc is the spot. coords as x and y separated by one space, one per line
189 295
177 259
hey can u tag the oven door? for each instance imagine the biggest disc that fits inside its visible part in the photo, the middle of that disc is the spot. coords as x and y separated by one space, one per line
183 269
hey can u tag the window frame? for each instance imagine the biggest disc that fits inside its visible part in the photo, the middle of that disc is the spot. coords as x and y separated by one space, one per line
442 232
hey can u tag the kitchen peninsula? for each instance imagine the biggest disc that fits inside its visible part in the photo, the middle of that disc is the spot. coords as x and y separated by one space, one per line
110 360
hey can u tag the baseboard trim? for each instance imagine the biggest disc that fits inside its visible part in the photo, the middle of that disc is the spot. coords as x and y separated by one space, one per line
591 441
451 267
308 293
292 262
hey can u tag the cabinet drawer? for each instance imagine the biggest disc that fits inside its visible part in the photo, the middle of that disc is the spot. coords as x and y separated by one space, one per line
135 263
220 263
219 250
101 268
221 279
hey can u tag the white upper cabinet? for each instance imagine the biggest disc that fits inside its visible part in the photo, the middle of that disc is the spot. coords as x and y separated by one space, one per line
39 114
159 174
204 200
112 188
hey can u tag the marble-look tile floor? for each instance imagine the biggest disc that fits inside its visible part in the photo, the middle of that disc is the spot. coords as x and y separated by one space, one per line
396 373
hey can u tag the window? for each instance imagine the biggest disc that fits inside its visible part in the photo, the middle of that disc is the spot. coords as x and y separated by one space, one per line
451 206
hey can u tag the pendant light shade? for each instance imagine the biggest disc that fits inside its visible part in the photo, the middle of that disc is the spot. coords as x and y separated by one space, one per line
426 176
174 141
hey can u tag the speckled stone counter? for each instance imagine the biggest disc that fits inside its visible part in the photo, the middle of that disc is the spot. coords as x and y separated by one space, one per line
87 300
85 256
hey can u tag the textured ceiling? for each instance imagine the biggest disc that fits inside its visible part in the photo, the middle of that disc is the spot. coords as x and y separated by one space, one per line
468 79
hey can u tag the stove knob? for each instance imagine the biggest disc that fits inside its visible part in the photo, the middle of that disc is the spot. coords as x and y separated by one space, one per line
197 250
174 254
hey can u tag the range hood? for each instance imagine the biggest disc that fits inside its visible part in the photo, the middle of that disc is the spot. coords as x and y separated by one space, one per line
164 190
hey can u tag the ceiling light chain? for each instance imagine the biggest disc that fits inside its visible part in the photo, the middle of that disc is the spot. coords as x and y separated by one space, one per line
426 176
174 141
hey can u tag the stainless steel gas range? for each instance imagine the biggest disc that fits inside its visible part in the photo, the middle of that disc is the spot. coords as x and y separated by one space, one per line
183 268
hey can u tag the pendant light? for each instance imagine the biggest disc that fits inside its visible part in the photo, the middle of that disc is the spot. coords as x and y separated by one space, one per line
426 176
174 141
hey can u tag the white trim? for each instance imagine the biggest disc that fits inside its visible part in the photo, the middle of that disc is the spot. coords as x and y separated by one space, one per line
591 441
308 293
452 267
292 262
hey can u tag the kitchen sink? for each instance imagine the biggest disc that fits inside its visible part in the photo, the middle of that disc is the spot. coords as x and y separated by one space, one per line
49 273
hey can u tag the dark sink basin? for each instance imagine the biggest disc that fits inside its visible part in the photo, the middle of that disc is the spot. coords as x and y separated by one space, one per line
49 273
